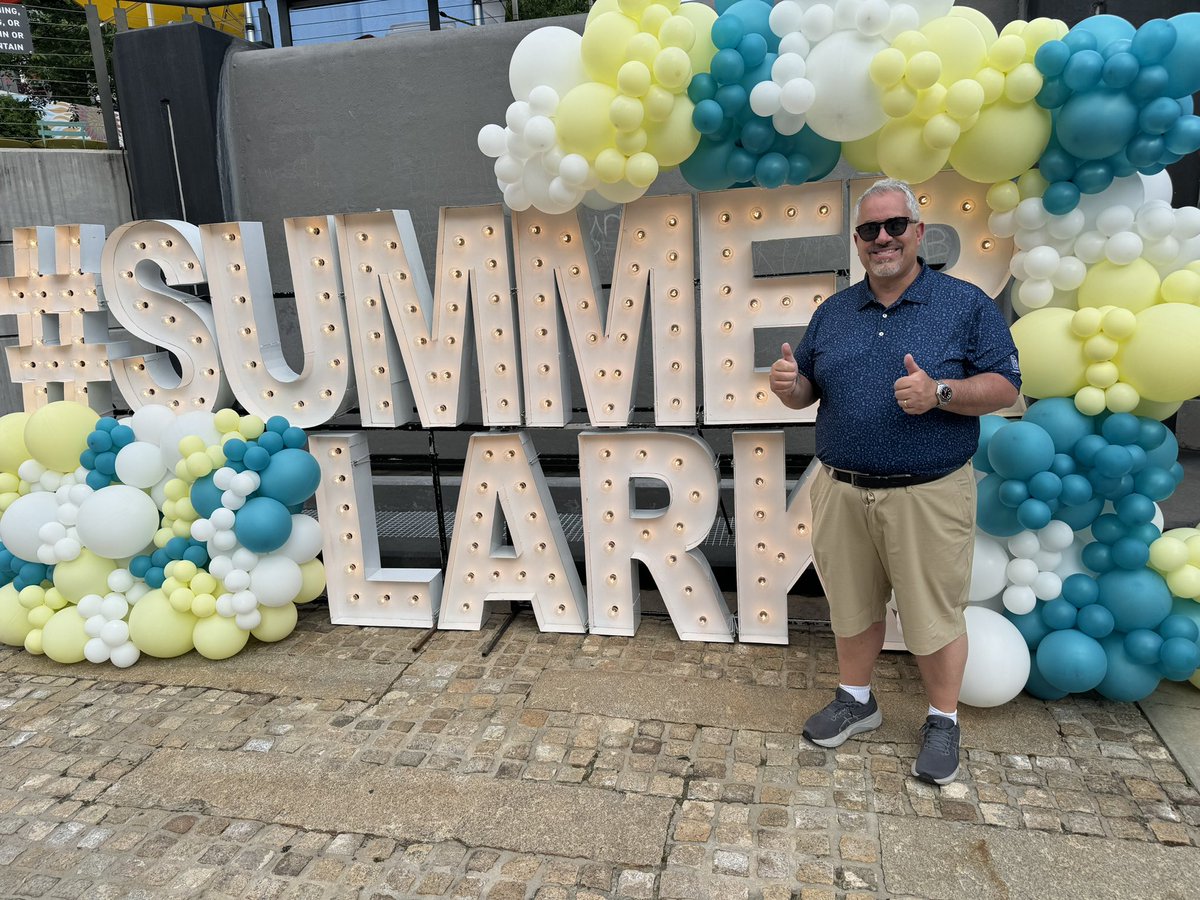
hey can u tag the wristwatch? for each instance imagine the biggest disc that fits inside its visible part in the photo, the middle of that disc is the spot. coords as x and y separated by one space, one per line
944 393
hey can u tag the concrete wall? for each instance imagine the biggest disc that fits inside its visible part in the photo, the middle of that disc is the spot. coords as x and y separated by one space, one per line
54 187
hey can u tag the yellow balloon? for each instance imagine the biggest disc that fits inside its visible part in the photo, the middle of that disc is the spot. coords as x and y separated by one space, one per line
1023 83
1152 409
1090 400
1041 30
887 68
218 638
923 70
63 636
1133 287
1160 360
981 22
277 622
599 8
631 142
674 139
659 103
158 630
1182 286
677 31
863 154
621 192
1031 184
1168 553
672 68
626 113
12 441
252 427
633 78
653 18
959 44
1119 323
992 82
14 618
204 605
1005 142
226 420
1102 374
641 170
610 165
931 102
33 642
57 433
39 616
1100 347
86 574
1003 196
702 50
1185 582
899 101
964 98
904 154
312 584
603 45
941 132
1007 52
1121 398
1052 361
582 119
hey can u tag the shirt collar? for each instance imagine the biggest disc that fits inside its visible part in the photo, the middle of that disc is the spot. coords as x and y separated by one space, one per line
914 293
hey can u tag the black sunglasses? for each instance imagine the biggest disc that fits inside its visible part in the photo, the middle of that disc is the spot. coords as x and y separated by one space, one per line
895 227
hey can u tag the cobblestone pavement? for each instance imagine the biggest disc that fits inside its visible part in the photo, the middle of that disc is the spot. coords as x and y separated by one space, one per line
747 812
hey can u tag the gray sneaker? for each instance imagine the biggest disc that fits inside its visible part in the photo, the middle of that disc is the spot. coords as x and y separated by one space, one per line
841 719
937 762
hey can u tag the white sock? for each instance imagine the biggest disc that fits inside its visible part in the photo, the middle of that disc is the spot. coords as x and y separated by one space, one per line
860 694
952 716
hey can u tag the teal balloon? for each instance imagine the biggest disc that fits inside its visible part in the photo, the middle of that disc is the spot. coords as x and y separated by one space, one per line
1137 599
705 169
205 496
1037 686
1178 658
1104 29
1020 450
1059 614
1031 624
1182 63
1071 661
755 17
1059 418
988 426
1142 646
1189 609
292 477
1095 621
1179 626
1125 680
823 154
263 525
992 514
1096 124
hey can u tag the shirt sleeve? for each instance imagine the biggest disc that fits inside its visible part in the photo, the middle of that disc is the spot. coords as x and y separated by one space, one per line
805 351
993 348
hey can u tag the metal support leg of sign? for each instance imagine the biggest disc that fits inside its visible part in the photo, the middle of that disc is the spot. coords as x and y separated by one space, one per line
103 88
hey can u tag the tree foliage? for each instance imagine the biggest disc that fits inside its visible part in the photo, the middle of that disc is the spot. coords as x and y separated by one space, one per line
544 9
18 119
61 66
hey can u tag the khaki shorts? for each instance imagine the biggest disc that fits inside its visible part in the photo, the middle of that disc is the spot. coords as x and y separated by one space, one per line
917 541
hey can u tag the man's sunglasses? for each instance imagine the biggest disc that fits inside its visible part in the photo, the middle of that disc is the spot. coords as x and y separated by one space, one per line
895 227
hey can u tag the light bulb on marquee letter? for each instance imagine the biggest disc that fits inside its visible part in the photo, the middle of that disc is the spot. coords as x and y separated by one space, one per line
503 485
360 591
239 279
62 323
557 281
141 261
735 302
616 532
950 199
774 533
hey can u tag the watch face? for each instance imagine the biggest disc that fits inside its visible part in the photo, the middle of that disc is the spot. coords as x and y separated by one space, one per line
945 394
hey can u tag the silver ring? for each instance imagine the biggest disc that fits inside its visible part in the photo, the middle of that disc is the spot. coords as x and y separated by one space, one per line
906 404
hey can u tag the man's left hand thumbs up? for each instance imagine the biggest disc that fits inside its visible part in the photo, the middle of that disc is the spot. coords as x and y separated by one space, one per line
916 392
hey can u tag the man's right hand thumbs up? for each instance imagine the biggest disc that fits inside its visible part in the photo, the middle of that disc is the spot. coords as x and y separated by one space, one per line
783 373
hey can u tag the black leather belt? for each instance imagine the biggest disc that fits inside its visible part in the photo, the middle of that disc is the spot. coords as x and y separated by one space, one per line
861 480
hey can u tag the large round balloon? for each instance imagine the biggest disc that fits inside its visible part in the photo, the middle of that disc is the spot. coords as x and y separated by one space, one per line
57 433
14 618
140 464
217 637
277 622
1071 661
276 580
847 105
117 521
549 56
63 636
997 659
1005 142
158 629
291 477
21 521
13 451
263 525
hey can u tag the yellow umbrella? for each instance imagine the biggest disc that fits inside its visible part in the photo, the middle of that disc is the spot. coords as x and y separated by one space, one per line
230 19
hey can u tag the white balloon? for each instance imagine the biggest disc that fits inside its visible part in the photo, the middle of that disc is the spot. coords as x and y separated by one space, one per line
1161 252
515 197
158 493
873 17
114 606
988 577
1003 224
149 422
244 558
223 477
31 470
305 541
93 625
1187 223
928 10
219 567
998 659
1157 521
491 140
244 601
552 159
794 42
847 105
1127 192
1123 248
797 96
222 519
1057 535
549 56
786 67
96 651
140 464
224 540
50 481
114 633
117 521
764 98
237 580
245 483
785 17
1041 262
1031 214
276 580
1070 274
904 18
787 123
232 501
120 580
1047 586
124 656
67 549
1068 225
1036 293
1158 186
46 555
543 100
573 169
225 606
203 531
1089 247
199 423
89 605
1024 544
1155 220
137 592
817 22
540 133
249 620
21 522
844 13
52 531
508 169
1019 599
1047 560
517 116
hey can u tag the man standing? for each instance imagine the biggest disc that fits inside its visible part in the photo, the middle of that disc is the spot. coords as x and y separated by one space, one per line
904 364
